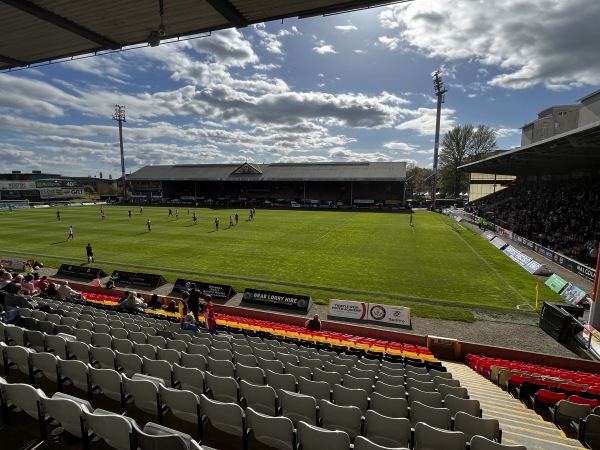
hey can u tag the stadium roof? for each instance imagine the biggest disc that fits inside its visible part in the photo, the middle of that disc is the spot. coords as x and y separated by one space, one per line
574 150
44 31
353 171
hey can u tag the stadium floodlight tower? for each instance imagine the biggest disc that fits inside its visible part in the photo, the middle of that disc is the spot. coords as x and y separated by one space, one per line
119 116
440 90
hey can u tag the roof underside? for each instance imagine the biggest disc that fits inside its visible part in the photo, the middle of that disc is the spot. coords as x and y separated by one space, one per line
43 31
577 150
367 171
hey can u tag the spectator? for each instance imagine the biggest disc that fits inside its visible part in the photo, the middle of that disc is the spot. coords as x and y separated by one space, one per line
13 299
65 292
188 324
133 302
154 302
96 282
110 284
209 314
313 324
171 307
27 286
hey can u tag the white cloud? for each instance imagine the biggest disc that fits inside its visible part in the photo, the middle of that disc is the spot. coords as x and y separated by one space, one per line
346 28
323 48
548 42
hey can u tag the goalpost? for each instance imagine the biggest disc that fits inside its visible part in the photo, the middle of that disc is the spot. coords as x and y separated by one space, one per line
10 205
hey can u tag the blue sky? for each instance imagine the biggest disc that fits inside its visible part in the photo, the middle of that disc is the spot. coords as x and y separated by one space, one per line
349 87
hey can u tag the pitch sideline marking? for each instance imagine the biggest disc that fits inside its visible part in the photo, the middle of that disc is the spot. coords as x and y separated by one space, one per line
333 229
497 274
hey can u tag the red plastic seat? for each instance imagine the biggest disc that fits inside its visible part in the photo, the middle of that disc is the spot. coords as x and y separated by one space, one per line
547 398
584 401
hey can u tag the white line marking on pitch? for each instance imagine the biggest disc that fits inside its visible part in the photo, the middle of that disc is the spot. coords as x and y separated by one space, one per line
333 229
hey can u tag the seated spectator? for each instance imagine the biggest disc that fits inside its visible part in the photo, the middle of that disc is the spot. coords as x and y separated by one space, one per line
65 292
110 284
27 286
96 282
171 307
188 323
6 279
183 305
43 281
154 302
133 302
313 324
13 299
28 269
52 290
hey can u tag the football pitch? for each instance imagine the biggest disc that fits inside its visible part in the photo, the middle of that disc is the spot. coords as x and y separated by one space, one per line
438 268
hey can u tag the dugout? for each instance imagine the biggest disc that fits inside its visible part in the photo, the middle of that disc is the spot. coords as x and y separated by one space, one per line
367 185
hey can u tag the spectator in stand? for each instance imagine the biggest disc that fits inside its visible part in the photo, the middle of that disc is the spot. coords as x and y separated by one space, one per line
96 282
52 290
154 302
65 292
6 280
171 307
193 303
133 302
313 324
188 324
13 299
209 314
27 286
110 284
43 281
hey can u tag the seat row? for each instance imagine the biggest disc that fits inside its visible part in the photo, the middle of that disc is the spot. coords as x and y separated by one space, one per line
80 419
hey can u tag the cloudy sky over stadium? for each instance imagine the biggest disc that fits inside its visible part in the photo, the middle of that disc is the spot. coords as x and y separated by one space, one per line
349 87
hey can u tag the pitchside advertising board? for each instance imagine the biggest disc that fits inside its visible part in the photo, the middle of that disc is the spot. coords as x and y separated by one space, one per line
371 312
278 299
88 273
151 280
216 291
15 263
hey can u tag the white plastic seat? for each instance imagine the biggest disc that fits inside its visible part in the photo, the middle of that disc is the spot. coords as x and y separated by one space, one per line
331 378
157 437
312 363
79 350
298 371
436 417
227 417
298 407
77 372
460 392
25 397
339 368
481 443
433 399
222 389
270 364
363 373
169 354
184 405
221 354
189 378
17 355
389 406
280 381
342 418
36 340
157 341
178 345
102 340
260 397
245 359
456 404
311 437
431 438
199 349
103 357
110 382
116 430
318 389
45 364
389 390
393 380
387 431
194 361
222 368
147 350
129 363
160 369
344 396
472 426
276 432
144 390
351 382
250 374
68 410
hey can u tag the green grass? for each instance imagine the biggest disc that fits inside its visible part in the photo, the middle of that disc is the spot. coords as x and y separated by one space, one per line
439 269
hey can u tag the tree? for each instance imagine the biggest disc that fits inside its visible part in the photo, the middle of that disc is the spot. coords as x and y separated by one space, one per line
418 178
462 145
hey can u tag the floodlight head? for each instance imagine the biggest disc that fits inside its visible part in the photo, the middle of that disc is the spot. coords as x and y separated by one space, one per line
154 39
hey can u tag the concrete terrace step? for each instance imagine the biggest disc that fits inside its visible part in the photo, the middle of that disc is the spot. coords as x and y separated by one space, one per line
520 424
